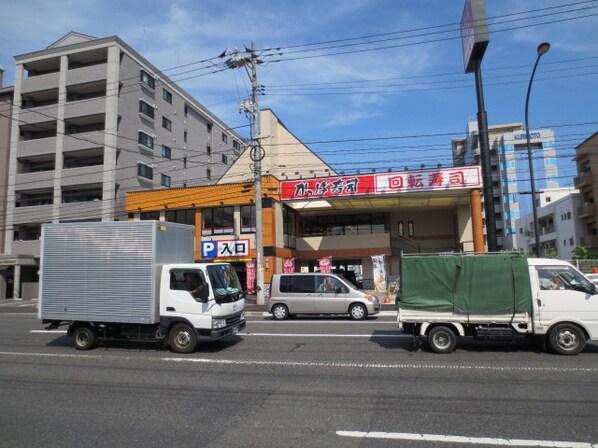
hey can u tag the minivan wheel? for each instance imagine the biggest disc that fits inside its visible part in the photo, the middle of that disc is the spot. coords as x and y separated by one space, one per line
280 312
358 312
567 339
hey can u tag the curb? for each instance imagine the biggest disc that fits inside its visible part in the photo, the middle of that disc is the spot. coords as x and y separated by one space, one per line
266 314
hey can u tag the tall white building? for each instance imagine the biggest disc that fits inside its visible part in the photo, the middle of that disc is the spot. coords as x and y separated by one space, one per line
510 171
558 222
93 119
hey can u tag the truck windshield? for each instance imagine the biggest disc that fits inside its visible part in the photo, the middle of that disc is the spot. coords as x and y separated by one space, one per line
225 283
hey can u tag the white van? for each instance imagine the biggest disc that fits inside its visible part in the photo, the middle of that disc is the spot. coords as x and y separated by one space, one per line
317 293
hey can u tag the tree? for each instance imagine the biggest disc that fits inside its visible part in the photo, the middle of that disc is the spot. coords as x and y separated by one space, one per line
552 253
583 253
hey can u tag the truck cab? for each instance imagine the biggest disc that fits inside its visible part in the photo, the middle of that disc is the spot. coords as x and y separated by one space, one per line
208 296
565 302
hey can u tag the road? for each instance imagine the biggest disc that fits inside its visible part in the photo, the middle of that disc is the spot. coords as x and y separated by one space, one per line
300 383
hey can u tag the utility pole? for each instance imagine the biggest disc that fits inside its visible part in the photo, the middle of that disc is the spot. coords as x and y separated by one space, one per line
256 152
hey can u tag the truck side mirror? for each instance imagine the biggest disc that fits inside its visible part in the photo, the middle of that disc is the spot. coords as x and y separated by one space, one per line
204 293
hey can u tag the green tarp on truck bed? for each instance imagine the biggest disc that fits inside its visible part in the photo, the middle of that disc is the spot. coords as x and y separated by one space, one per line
466 284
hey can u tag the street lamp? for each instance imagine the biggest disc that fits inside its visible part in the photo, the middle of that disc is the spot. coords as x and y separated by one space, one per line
542 49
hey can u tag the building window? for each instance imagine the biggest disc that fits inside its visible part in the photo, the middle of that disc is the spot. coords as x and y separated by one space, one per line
149 216
145 171
570 241
185 136
209 127
166 152
186 216
343 225
247 218
548 199
185 162
165 180
568 215
410 229
147 79
146 140
166 124
186 110
218 221
236 145
209 150
564 242
209 173
224 159
167 96
224 138
401 228
289 227
146 109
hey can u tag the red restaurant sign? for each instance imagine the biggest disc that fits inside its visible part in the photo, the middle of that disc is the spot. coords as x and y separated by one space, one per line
387 183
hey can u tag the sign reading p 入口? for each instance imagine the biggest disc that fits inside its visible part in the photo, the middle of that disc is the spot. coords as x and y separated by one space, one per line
224 249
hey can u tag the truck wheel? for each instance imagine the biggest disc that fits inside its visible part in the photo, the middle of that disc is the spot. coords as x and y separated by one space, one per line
567 339
280 312
442 339
358 312
85 338
182 339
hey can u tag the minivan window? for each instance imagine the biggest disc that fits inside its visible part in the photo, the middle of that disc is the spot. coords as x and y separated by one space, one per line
297 283
328 283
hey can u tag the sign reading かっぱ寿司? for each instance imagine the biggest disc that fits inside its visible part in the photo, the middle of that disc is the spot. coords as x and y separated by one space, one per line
387 183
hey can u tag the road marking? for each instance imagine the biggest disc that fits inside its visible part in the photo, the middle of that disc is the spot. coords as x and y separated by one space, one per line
48 331
362 365
326 335
462 439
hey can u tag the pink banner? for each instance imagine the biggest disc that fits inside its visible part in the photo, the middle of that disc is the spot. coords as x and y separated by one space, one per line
250 271
325 265
288 265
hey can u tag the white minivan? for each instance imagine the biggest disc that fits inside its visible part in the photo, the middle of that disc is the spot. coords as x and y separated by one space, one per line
317 293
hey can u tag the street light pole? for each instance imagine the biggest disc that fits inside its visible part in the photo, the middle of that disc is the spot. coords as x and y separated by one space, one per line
542 49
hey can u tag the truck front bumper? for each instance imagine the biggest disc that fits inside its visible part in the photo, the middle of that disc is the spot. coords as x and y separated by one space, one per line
227 331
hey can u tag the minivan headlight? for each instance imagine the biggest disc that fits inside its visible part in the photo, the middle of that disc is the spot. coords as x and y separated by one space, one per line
218 323
369 298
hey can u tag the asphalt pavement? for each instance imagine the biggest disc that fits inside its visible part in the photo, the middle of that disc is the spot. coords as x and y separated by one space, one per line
307 382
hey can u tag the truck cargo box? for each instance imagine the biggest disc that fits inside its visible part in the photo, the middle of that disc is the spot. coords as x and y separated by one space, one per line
108 271
466 284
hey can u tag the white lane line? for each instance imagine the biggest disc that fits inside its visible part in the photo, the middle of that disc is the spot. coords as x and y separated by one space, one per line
325 335
287 335
462 439
248 362
48 331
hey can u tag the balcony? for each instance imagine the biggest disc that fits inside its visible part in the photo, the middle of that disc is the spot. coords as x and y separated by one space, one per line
83 140
82 175
586 210
584 179
40 82
34 180
90 73
37 147
34 213
93 106
26 248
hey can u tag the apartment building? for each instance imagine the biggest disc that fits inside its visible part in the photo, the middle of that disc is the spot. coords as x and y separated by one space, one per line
6 96
95 120
560 229
586 157
510 170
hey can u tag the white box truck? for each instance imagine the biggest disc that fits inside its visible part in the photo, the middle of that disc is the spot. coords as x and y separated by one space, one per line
135 280
495 297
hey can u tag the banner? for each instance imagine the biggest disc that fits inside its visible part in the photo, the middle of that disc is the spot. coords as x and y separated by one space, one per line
379 273
250 271
288 265
325 265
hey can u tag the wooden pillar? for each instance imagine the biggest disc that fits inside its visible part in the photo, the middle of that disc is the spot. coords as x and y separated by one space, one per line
476 220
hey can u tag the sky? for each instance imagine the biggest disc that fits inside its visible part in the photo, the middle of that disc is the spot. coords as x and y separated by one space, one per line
391 100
